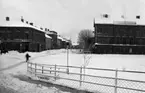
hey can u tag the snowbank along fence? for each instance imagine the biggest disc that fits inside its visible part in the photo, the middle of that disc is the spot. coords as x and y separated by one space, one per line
94 79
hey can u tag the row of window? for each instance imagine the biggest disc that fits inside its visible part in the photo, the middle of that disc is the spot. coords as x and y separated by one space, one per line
22 33
121 31
139 41
16 35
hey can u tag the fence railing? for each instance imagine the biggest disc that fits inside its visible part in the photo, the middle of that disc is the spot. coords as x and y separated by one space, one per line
93 79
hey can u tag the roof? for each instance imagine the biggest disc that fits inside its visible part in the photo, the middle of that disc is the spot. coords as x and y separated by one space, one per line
66 40
51 32
125 22
47 36
103 21
48 32
120 22
15 23
60 38
119 44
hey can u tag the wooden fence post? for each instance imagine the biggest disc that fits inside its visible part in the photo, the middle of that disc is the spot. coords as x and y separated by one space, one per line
31 69
55 72
35 68
50 69
116 78
42 69
80 76
27 66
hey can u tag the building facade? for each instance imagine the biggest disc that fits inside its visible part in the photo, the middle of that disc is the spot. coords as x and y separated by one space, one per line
53 35
119 38
48 42
21 39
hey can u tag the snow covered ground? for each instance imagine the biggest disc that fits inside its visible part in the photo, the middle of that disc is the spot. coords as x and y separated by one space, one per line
13 67
107 61
13 75
121 62
115 61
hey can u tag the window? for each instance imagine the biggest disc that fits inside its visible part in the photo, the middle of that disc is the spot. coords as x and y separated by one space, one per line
26 35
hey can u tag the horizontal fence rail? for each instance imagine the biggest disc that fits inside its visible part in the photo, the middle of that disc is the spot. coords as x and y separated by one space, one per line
117 81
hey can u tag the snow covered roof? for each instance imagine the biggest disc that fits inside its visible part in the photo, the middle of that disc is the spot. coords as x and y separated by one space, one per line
63 39
103 21
117 44
59 37
48 32
15 23
121 22
51 32
47 36
125 22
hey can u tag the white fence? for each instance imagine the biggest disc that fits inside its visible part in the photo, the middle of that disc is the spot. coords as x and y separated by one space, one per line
94 79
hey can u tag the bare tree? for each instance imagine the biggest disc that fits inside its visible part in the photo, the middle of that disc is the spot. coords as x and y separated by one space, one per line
86 58
84 38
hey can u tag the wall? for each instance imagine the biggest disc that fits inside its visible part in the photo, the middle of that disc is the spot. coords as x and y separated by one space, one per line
22 39
119 34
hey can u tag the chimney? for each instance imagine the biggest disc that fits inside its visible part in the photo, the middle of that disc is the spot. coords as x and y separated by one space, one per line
31 24
105 15
137 17
94 22
7 19
41 28
45 29
26 22
22 20
123 16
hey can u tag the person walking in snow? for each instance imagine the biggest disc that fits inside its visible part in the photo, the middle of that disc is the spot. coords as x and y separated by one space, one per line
27 57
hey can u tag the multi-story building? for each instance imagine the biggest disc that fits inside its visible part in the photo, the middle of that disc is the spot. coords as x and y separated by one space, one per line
48 42
53 35
119 37
20 36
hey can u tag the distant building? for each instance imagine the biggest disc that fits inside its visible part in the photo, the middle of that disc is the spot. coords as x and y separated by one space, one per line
53 35
119 37
48 42
23 36
59 42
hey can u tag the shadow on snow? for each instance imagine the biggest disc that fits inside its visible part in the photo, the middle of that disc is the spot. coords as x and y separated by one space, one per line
12 66
46 84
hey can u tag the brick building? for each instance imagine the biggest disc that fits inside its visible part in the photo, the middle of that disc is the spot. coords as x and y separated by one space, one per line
119 37
53 35
20 36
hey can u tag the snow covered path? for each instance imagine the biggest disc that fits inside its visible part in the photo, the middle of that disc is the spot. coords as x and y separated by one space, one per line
14 79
